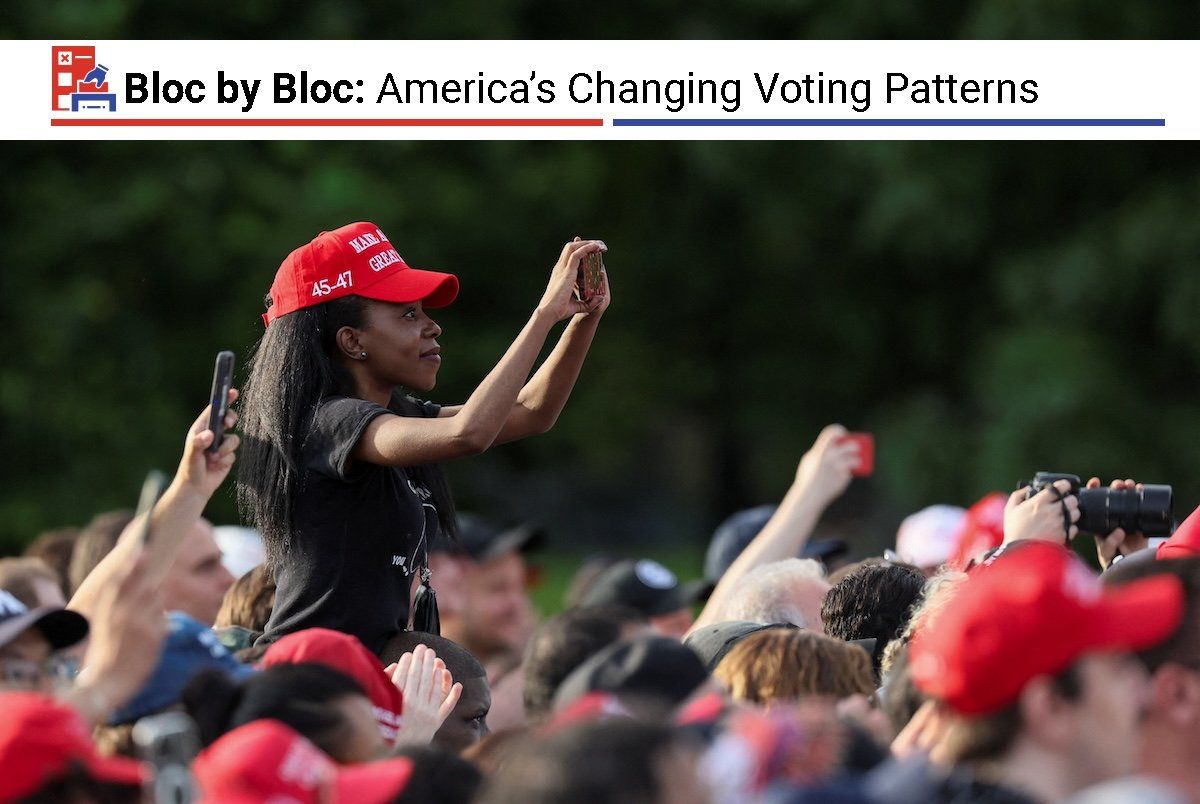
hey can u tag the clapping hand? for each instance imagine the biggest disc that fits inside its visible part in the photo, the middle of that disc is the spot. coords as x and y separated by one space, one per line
430 694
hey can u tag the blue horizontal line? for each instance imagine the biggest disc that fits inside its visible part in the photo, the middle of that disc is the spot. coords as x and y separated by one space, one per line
900 121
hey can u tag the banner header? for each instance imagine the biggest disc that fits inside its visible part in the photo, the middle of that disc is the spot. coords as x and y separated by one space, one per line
691 89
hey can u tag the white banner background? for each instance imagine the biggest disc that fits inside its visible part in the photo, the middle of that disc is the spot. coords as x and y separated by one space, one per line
1075 80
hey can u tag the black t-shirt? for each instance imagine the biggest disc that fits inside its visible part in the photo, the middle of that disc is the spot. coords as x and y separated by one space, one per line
359 533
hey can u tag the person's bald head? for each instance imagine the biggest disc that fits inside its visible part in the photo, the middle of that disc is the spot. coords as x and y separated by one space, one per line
467 724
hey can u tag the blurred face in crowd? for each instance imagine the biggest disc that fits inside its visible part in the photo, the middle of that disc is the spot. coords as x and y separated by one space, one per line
496 615
23 662
197 581
674 624
1107 716
363 742
809 593
467 724
678 772
449 577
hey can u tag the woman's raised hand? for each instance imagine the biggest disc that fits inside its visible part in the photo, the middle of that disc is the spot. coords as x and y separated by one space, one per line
559 300
203 470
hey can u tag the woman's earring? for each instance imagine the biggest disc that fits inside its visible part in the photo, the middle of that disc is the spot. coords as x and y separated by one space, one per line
362 355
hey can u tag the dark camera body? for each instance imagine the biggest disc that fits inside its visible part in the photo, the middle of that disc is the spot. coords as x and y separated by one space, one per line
1101 511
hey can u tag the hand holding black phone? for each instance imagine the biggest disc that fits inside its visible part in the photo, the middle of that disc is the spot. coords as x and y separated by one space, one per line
219 399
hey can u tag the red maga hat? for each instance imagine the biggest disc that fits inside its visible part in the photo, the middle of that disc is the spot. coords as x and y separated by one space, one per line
40 738
355 260
265 761
1033 610
345 653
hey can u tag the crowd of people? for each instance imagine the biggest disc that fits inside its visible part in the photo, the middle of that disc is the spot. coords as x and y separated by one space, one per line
328 659
980 660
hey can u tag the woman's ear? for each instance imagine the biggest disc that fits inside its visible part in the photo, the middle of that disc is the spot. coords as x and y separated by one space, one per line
349 343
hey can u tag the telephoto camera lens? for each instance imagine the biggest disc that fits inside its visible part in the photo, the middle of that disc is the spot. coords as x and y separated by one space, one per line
1146 510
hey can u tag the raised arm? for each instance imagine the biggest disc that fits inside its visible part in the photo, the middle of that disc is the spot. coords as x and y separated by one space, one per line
822 476
198 476
407 441
543 398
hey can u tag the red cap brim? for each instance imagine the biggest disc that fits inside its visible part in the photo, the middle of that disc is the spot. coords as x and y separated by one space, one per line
1137 615
431 288
373 781
118 770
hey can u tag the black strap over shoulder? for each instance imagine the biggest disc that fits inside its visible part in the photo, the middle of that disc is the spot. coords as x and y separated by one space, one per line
425 607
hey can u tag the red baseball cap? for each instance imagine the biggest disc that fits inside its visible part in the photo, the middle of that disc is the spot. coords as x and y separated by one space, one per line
265 761
593 707
1033 610
345 653
356 259
1185 541
982 530
40 738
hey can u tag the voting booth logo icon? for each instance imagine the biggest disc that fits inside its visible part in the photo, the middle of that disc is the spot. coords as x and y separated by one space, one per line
79 83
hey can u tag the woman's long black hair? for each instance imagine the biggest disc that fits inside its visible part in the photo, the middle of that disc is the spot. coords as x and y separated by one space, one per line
293 367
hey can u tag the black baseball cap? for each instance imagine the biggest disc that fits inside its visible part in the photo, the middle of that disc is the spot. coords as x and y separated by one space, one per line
712 642
646 667
482 542
731 537
644 585
61 628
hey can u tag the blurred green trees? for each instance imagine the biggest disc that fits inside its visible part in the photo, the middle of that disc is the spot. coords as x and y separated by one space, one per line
986 309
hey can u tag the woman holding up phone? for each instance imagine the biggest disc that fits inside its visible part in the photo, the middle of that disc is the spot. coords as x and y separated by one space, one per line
340 462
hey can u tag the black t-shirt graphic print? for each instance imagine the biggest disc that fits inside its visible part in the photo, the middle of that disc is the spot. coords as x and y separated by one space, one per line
360 532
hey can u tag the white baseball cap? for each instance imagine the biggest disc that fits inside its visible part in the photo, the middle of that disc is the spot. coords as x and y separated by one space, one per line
927 538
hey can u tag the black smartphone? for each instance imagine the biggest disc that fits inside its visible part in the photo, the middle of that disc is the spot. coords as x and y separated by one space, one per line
152 488
219 399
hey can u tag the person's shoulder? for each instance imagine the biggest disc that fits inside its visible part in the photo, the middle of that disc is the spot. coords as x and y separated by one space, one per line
338 407
337 424
342 402
408 405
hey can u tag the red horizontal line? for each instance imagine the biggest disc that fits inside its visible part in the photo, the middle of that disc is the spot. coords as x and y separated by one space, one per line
331 122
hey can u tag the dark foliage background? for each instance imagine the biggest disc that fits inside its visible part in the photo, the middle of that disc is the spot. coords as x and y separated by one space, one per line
986 309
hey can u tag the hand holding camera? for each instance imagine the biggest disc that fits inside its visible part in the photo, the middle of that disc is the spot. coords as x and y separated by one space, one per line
1119 541
1047 511
1110 514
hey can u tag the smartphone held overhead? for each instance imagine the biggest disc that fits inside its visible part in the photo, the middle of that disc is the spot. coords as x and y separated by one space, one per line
866 453
219 398
589 280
